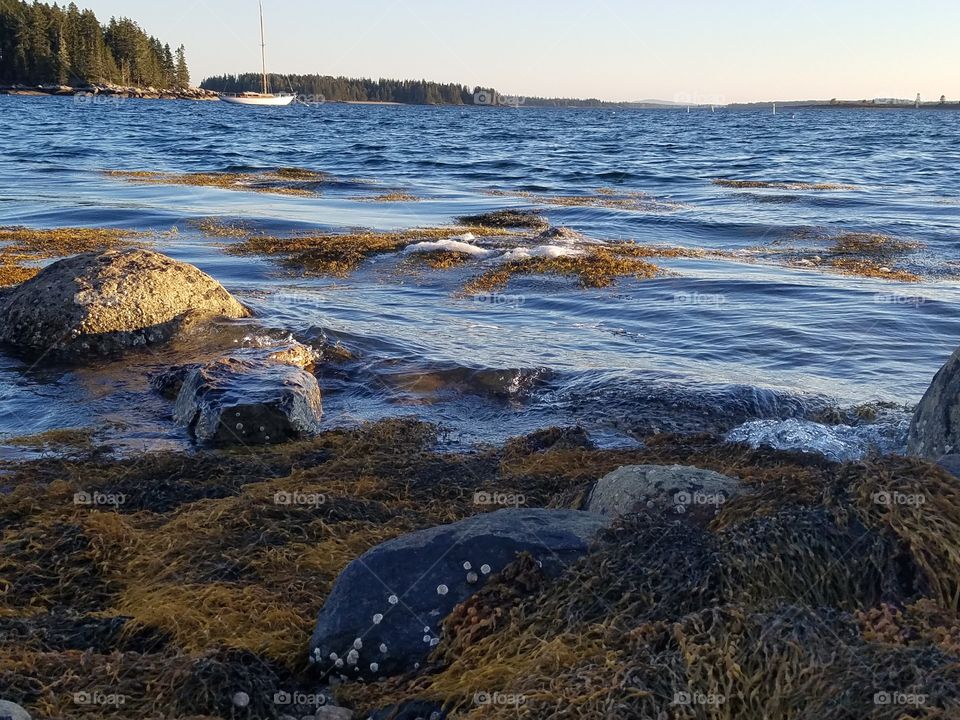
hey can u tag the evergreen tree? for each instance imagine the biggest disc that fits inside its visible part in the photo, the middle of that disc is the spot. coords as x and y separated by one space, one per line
42 43
181 73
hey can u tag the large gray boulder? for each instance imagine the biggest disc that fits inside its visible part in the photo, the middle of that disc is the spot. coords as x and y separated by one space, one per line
12 711
384 613
104 303
667 488
244 401
935 428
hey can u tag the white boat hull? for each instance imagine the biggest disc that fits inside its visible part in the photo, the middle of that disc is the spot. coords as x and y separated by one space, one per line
262 100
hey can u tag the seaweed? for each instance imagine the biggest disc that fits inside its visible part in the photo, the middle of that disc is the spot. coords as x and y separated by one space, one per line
20 245
803 598
395 196
603 198
530 219
797 186
594 268
298 182
339 254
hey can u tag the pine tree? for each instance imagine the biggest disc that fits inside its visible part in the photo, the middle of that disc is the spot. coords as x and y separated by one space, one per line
182 73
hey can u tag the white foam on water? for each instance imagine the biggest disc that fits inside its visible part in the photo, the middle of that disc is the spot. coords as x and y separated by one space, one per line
840 443
541 251
459 244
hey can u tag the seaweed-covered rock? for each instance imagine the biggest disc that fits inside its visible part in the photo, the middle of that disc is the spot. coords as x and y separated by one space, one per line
384 613
108 302
674 488
12 711
935 429
235 401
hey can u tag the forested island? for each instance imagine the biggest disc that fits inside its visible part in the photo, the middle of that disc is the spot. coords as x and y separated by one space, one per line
43 44
326 88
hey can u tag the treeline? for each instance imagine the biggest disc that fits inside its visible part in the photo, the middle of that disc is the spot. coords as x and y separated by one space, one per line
341 89
53 44
575 102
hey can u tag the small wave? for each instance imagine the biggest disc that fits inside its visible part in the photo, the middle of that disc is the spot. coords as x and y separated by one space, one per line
502 384
840 443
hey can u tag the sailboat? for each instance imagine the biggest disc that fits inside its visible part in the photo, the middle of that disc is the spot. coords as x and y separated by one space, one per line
260 98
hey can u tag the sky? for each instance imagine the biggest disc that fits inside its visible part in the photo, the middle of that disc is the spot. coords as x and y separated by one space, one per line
691 51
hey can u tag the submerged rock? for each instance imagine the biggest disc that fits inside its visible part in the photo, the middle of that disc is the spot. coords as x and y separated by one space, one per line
671 488
108 302
935 428
384 613
244 401
288 352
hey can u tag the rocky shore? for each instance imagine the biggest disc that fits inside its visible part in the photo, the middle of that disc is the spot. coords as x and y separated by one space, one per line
288 570
107 92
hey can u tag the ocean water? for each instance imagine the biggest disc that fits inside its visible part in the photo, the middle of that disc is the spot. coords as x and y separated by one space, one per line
770 352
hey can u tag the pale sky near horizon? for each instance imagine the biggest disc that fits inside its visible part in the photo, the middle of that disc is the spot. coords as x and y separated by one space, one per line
688 50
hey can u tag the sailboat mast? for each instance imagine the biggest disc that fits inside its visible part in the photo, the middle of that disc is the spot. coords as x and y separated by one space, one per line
263 52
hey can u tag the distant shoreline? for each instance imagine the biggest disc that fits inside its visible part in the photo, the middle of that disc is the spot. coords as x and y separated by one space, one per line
106 93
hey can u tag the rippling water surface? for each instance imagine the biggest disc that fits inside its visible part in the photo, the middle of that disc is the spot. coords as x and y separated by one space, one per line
713 344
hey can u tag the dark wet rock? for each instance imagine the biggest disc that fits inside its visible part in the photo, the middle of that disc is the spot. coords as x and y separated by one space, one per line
668 488
411 710
333 712
236 401
168 382
105 303
950 463
384 613
12 711
935 429
561 234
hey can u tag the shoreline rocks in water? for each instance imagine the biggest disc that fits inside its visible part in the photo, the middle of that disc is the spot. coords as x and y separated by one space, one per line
935 428
106 303
106 92
250 400
384 613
